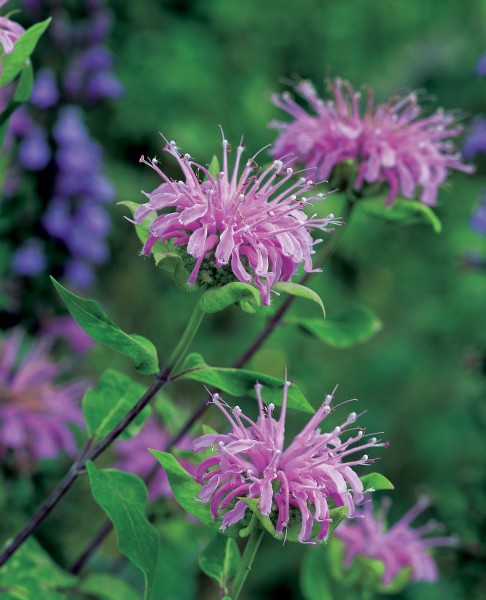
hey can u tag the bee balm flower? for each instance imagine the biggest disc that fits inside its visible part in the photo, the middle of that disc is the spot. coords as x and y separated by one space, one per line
398 547
35 412
303 478
391 143
252 224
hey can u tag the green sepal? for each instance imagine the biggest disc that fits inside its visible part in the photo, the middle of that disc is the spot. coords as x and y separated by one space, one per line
13 63
123 497
374 482
241 382
344 330
214 167
403 211
300 291
90 316
219 298
220 560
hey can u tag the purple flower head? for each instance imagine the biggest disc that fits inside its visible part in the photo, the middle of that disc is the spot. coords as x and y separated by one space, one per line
391 143
29 260
481 66
478 220
66 327
398 547
45 92
475 142
34 150
301 479
35 412
133 456
79 273
10 31
253 222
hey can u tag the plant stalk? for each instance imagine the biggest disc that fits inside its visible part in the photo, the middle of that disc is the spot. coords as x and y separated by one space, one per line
248 557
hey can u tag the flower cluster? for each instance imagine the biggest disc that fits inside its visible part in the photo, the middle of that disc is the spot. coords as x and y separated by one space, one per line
10 31
390 143
56 154
398 547
132 456
252 222
35 412
305 479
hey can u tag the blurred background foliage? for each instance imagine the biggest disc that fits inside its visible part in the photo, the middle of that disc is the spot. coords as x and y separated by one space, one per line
189 66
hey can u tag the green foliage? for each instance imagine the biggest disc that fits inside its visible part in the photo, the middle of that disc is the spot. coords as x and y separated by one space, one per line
219 298
104 586
300 291
241 382
31 573
220 560
402 211
375 482
21 95
12 64
123 497
344 330
142 229
313 578
105 405
91 317
214 167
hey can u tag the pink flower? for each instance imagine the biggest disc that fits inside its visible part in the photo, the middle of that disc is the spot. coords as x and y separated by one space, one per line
9 34
253 224
303 478
391 143
35 412
398 547
133 456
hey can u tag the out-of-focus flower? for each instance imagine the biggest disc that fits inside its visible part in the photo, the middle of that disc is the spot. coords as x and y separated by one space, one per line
398 547
475 142
133 456
478 219
64 326
45 92
30 259
253 222
300 480
35 412
10 31
390 143
481 66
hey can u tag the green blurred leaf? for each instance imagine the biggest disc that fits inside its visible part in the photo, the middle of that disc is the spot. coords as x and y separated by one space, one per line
22 94
241 382
407 212
13 63
220 560
142 229
32 573
105 405
105 586
344 330
376 482
91 317
123 497
300 291
313 575
398 583
219 298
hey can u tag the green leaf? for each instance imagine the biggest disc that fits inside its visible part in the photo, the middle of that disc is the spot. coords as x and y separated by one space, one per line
219 298
344 330
184 487
105 405
22 94
214 167
241 382
13 63
91 317
123 497
313 575
142 229
104 586
407 212
300 291
337 517
375 482
32 573
398 583
220 560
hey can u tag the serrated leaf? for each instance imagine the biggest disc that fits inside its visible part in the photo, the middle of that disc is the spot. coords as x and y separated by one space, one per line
403 211
123 497
376 482
104 586
241 382
355 326
219 298
105 405
13 63
91 317
300 291
31 573
220 560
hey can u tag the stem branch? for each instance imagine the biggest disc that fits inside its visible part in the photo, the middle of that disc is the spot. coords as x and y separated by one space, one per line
248 557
